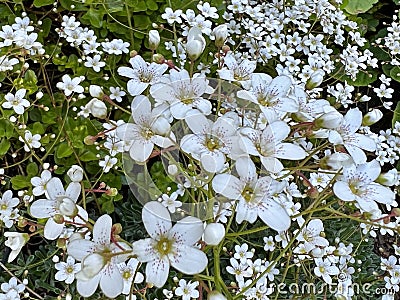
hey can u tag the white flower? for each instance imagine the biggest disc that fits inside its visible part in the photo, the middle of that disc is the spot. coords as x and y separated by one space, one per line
148 130
187 290
130 273
310 235
40 183
169 245
31 141
236 71
17 101
221 34
269 146
170 202
142 74
69 85
183 93
75 173
116 94
67 270
346 135
255 196
108 163
271 95
172 16
372 117
12 285
324 269
15 241
7 203
59 206
357 184
94 63
269 243
210 142
100 258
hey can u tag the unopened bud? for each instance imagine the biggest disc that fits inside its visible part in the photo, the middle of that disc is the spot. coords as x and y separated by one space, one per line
221 34
158 58
154 39
133 53
59 219
315 79
112 192
116 228
389 179
372 117
89 140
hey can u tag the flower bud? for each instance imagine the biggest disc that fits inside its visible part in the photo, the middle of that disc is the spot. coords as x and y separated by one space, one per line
315 79
154 39
158 58
214 233
329 120
214 295
67 207
336 161
89 140
15 241
221 34
97 108
75 173
59 219
160 126
112 192
91 266
372 117
195 43
389 179
96 91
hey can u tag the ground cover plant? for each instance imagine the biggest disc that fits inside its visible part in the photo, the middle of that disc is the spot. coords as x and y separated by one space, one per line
199 150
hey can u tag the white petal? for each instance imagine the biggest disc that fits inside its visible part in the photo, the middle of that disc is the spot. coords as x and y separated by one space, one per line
353 118
290 151
127 72
140 107
365 142
356 153
141 150
88 287
135 87
280 85
156 219
55 188
157 271
52 230
274 215
128 132
80 248
189 260
228 186
144 250
197 122
212 162
245 168
187 231
277 130
371 170
42 209
102 230
73 191
111 282
343 192
271 164
380 193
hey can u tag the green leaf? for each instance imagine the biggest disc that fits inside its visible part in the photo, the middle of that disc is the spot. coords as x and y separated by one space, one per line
94 17
4 146
30 81
64 150
32 169
151 5
395 73
355 7
396 114
6 128
40 3
88 156
19 182
141 22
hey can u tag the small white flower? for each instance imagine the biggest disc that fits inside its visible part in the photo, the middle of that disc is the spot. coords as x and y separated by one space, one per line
172 16
17 101
67 270
15 241
325 269
108 163
187 290
69 85
40 183
94 63
170 202
116 94
31 141
130 273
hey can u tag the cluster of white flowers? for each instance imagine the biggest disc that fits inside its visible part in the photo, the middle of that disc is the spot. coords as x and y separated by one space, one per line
12 289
